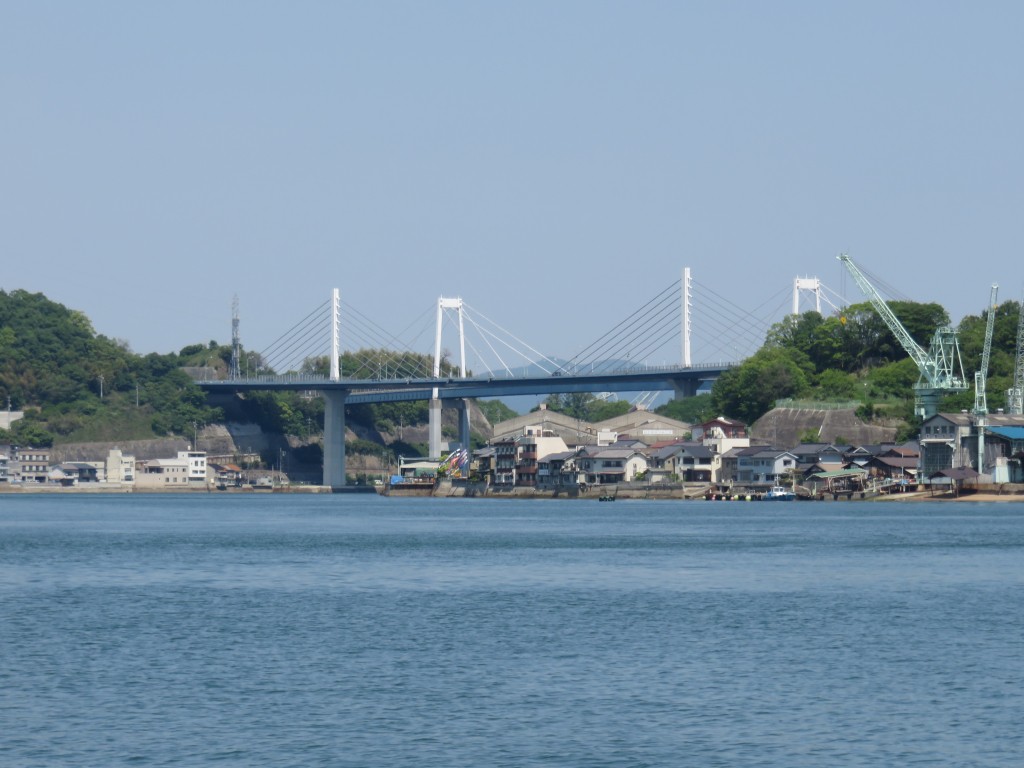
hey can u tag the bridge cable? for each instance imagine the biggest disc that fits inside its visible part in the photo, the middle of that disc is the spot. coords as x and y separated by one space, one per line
595 349
640 332
582 356
276 347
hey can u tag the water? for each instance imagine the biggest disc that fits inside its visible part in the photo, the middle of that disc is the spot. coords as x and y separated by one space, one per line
362 631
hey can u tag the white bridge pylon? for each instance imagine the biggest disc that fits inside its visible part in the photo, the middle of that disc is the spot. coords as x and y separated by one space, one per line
435 401
334 407
811 284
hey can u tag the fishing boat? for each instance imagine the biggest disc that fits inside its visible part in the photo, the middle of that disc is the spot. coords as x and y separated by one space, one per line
779 493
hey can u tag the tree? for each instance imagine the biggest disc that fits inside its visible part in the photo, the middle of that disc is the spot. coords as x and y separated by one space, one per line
893 380
689 410
750 391
495 410
602 410
821 339
573 404
834 384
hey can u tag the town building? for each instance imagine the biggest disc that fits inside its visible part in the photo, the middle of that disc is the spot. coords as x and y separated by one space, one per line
688 462
644 426
517 459
185 470
226 475
31 465
763 464
72 473
559 470
1004 448
603 466
119 468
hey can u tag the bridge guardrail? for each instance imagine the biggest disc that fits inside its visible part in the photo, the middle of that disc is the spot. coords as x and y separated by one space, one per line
314 379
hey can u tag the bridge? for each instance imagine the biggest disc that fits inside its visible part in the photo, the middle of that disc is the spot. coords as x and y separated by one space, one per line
604 366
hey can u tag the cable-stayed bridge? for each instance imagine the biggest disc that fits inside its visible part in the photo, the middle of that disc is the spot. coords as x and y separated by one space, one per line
347 356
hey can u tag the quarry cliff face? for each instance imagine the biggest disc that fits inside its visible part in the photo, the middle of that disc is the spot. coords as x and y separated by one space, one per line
784 427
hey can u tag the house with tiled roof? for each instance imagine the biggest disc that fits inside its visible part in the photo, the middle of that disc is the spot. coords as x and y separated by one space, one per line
558 470
611 465
890 467
763 464
688 462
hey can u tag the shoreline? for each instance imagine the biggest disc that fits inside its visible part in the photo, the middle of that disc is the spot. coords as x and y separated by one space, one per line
1016 494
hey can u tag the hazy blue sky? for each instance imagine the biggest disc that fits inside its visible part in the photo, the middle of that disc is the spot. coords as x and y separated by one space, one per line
541 160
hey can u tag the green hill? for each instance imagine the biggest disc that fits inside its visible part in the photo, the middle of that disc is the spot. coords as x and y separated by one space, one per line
76 385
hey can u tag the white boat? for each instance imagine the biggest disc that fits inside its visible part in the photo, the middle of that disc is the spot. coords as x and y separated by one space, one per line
780 493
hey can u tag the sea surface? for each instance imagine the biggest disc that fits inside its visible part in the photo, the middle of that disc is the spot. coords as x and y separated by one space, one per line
245 630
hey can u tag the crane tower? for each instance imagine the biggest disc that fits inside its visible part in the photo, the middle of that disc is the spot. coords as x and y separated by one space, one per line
941 369
1015 396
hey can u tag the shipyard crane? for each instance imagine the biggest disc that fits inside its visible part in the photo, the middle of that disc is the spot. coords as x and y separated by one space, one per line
1015 396
980 402
941 369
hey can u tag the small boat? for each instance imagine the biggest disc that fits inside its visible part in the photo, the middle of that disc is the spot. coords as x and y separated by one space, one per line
780 493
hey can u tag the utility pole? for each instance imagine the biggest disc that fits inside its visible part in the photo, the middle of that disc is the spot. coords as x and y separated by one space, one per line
101 386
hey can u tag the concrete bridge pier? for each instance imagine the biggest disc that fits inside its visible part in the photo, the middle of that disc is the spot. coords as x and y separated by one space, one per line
434 428
334 439
684 388
435 434
463 406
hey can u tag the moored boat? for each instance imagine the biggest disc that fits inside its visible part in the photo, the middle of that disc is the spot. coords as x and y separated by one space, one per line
779 493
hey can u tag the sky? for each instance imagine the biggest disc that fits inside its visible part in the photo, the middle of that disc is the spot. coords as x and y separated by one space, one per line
552 164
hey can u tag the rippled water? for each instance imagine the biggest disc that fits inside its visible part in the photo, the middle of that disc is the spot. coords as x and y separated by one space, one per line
363 631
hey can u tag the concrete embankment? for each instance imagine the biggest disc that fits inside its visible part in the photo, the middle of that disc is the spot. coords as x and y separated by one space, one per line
42 488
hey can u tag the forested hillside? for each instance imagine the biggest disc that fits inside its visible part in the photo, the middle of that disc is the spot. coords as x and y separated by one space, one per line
76 385
853 356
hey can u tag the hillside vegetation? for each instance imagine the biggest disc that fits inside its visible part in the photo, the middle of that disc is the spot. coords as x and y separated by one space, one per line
77 386
854 357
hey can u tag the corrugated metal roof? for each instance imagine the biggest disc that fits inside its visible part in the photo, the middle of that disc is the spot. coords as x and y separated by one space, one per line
955 473
1011 433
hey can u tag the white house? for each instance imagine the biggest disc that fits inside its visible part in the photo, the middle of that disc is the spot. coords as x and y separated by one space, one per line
196 461
187 469
611 465
764 465
119 468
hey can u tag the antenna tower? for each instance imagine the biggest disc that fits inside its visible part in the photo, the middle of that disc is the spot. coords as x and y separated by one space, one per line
236 341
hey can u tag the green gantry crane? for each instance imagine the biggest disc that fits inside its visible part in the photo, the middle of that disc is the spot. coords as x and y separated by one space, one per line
941 369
